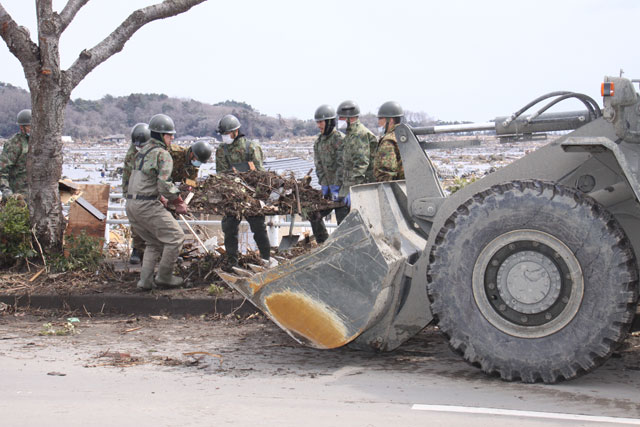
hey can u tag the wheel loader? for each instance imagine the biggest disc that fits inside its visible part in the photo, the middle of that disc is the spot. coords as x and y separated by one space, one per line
529 272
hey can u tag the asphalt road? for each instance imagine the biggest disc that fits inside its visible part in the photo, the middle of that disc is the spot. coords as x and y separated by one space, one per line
183 372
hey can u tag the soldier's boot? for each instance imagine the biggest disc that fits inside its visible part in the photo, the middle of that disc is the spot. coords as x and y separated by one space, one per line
319 229
148 265
231 260
170 252
166 279
136 256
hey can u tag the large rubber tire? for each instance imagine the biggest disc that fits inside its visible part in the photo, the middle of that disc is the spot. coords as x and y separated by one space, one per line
582 299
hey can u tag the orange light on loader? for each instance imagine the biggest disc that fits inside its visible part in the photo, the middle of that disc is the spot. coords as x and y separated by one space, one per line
607 89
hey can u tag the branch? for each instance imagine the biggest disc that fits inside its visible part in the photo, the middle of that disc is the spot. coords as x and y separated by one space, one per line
18 39
90 59
69 12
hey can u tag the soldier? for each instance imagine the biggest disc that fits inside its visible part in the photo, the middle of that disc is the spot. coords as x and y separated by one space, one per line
13 160
387 164
187 161
358 149
327 153
150 182
237 153
140 134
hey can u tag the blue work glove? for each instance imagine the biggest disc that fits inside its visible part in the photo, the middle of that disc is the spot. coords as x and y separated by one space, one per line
325 190
347 200
335 189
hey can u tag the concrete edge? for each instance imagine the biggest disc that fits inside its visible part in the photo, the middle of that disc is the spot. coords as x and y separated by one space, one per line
132 304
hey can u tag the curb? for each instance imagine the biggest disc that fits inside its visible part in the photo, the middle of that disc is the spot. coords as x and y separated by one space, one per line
132 304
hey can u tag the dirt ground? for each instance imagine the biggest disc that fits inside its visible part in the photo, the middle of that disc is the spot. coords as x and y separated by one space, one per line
117 276
234 346
103 281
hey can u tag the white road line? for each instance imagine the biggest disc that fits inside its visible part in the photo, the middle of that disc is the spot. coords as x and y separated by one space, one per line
529 414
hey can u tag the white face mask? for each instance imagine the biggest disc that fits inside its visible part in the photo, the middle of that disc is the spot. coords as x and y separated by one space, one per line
342 124
226 138
381 130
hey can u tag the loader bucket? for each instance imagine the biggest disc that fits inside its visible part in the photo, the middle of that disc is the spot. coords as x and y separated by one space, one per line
329 297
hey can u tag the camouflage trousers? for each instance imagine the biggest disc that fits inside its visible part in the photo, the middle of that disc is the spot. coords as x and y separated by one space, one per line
137 241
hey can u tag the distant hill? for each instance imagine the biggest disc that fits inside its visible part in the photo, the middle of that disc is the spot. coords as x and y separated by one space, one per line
91 120
12 100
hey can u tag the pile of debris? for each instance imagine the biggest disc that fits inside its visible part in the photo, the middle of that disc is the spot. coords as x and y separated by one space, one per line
256 193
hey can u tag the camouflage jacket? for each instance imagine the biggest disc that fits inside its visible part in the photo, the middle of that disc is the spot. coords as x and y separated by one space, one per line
182 167
151 174
239 151
358 148
327 154
129 159
13 164
387 164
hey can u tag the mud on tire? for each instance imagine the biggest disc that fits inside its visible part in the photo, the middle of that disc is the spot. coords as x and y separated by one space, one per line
533 281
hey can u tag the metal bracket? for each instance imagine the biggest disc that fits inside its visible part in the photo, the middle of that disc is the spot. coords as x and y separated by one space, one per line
426 207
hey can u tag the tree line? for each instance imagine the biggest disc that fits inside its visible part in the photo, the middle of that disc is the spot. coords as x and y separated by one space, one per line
91 120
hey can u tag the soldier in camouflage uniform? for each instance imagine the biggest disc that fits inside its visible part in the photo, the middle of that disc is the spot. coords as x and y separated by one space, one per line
387 163
237 153
140 134
187 161
13 160
327 153
358 149
150 181
195 155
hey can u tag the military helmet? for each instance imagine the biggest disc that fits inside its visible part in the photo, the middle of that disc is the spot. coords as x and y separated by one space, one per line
348 109
228 123
161 123
325 112
140 134
390 109
24 118
202 151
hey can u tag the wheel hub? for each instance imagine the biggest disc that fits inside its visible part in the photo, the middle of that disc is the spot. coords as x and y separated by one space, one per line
527 283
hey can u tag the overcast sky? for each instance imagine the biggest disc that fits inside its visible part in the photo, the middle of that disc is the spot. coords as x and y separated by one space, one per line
454 60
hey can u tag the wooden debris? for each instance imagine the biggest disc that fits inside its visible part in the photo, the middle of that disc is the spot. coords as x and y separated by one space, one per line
257 193
35 276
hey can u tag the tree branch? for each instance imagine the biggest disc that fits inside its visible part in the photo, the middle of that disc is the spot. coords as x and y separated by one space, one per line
69 12
18 39
112 44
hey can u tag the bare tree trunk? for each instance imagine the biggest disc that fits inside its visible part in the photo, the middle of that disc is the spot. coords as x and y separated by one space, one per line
44 160
44 164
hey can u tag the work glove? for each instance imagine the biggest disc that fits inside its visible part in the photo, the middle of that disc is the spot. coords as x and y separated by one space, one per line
325 191
335 189
164 201
347 200
181 206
